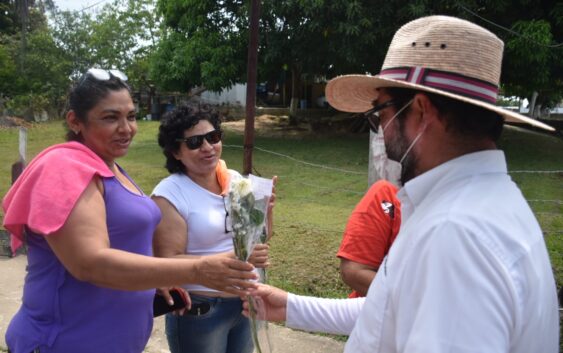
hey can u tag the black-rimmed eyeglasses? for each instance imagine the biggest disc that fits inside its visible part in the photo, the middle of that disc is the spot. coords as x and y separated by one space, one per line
372 115
195 142
227 229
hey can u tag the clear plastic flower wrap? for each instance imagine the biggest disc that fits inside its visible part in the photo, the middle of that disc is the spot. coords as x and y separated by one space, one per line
247 204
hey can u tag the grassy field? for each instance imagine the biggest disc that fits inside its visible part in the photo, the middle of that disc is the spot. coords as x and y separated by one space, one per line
321 178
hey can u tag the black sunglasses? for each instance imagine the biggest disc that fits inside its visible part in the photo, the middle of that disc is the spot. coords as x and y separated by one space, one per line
372 115
195 142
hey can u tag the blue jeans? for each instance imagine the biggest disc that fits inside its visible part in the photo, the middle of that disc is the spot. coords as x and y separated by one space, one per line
222 329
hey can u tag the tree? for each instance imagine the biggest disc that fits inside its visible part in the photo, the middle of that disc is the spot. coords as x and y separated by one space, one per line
8 18
34 80
205 45
205 40
8 70
122 33
324 38
533 62
120 36
72 32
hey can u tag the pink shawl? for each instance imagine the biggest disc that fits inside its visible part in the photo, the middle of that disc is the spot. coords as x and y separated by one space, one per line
45 193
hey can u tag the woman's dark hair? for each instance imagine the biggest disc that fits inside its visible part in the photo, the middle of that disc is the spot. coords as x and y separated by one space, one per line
173 125
88 92
462 118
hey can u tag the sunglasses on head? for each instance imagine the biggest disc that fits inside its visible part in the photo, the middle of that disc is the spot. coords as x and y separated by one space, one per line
195 142
104 75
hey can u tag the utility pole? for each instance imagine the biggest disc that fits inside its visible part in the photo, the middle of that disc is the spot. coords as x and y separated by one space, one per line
251 87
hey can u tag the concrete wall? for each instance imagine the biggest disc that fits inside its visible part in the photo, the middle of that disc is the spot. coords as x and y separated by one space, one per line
235 95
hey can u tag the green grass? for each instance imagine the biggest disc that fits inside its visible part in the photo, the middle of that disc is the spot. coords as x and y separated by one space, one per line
313 203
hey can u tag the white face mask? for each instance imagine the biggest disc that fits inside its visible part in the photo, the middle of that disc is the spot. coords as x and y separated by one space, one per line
386 168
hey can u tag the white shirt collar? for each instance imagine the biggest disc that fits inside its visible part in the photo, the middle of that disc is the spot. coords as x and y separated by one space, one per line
482 162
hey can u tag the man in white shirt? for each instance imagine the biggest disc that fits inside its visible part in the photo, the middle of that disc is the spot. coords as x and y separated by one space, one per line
469 270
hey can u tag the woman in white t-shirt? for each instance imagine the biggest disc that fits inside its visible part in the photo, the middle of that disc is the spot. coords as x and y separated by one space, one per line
194 224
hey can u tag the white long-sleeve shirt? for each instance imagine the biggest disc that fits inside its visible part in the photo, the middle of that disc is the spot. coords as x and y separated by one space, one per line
468 272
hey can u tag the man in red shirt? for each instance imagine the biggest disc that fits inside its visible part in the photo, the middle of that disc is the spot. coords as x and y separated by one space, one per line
370 231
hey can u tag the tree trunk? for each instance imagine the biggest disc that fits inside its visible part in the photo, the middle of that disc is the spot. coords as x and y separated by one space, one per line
532 106
295 93
251 87
537 111
24 17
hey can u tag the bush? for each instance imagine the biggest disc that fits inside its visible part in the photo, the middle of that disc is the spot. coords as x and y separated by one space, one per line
29 106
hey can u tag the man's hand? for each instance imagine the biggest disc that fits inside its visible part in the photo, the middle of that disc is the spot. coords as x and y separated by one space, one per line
271 303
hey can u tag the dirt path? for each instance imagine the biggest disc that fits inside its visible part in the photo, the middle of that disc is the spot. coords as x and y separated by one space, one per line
284 340
271 126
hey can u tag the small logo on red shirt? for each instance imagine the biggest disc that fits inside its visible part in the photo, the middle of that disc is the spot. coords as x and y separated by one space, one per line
388 208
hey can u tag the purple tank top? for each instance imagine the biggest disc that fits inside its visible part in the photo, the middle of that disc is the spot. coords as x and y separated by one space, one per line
62 314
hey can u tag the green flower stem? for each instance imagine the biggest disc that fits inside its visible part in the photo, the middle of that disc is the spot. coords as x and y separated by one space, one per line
254 324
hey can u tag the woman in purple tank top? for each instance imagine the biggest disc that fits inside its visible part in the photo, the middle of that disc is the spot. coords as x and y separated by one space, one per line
89 228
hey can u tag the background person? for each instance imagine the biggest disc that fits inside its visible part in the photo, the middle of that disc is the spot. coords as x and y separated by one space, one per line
89 227
195 225
469 270
370 231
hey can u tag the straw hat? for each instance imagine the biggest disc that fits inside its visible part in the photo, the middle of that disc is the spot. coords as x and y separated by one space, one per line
439 54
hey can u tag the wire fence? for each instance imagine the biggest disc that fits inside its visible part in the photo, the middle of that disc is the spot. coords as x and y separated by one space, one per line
352 185
312 190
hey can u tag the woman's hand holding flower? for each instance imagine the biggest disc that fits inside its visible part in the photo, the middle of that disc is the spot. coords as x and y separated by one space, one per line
225 274
259 257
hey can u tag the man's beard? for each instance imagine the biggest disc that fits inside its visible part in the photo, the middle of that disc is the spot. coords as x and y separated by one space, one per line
396 150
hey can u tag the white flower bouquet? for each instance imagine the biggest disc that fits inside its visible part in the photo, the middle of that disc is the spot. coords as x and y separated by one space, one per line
247 204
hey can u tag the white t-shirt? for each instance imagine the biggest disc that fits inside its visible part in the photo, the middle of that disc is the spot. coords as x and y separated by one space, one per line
469 271
204 213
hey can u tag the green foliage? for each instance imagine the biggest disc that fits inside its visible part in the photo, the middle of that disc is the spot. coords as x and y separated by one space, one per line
529 66
205 45
27 104
7 70
326 37
121 36
321 38
39 73
45 73
531 30
8 18
71 32
33 76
